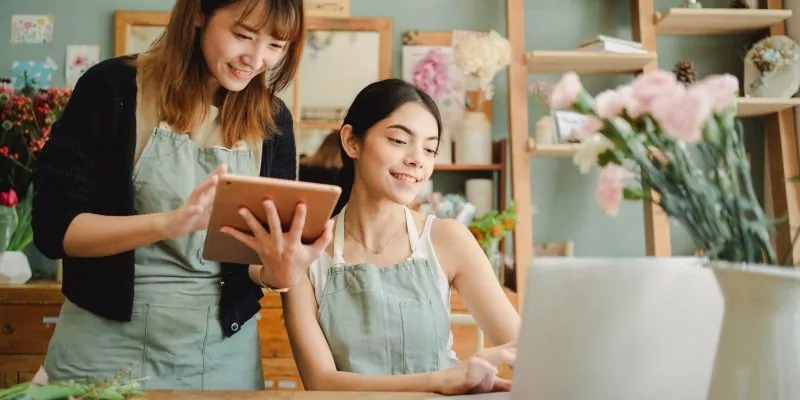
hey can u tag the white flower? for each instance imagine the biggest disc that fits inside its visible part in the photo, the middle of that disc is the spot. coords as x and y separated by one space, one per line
482 57
588 151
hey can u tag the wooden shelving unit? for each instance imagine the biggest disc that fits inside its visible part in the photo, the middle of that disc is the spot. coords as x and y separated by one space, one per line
758 107
646 25
552 150
717 21
468 167
332 125
595 62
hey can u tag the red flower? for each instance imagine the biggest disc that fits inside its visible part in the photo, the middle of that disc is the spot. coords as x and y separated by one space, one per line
9 198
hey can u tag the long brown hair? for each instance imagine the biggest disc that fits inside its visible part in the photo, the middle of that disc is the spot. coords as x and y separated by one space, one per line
328 154
175 68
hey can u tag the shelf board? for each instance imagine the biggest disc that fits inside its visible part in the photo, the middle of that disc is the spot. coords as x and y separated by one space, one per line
754 106
587 62
552 150
332 125
468 167
716 21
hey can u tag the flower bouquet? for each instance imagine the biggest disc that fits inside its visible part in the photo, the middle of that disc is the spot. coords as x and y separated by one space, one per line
682 148
26 116
684 144
482 57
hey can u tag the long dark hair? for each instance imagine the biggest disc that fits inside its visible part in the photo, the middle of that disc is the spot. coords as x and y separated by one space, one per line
373 104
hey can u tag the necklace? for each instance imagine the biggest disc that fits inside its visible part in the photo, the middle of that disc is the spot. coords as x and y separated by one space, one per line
374 251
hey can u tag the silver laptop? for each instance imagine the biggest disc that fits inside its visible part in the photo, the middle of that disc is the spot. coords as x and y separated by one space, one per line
617 329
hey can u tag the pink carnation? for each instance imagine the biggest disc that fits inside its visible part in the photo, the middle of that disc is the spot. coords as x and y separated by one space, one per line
610 103
608 194
430 74
682 114
722 90
646 88
566 91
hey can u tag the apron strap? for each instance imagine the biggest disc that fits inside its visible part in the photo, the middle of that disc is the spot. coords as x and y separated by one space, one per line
413 235
338 238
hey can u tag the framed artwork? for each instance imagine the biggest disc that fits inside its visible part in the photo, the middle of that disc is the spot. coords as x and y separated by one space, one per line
135 31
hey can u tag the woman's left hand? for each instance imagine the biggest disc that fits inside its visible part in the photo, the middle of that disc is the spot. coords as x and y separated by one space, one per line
284 257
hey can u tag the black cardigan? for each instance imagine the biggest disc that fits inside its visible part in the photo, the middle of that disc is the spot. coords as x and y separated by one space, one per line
86 167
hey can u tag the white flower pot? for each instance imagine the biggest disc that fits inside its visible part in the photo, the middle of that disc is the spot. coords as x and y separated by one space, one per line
14 268
661 328
759 350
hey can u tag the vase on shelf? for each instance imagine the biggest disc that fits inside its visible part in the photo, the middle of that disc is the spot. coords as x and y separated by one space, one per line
473 139
444 155
544 131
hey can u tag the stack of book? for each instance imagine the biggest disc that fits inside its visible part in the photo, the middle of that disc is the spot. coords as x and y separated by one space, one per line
611 44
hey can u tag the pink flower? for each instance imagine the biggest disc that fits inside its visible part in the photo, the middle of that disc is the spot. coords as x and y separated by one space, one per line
610 103
682 114
566 91
588 127
430 74
722 90
608 194
9 198
646 88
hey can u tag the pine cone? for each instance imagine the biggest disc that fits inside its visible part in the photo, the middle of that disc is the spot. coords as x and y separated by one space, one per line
738 4
684 72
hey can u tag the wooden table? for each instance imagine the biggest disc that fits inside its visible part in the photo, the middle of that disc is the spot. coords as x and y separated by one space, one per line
289 395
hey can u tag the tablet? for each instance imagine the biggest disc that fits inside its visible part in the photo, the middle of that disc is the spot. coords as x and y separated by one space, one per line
236 191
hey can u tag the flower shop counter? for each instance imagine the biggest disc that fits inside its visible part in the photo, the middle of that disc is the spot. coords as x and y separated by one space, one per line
29 312
266 395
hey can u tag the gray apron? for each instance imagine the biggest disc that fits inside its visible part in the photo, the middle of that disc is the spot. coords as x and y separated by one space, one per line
384 320
174 337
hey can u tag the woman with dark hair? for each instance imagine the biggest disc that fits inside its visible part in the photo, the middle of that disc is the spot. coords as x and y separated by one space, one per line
373 312
322 166
124 188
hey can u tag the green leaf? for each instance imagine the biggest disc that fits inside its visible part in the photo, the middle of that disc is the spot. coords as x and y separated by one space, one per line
630 193
608 157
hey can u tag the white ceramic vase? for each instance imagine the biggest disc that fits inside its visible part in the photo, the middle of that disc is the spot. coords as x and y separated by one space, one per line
660 329
759 350
14 268
474 139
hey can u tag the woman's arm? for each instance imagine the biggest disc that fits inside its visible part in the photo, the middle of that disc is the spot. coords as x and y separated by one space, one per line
315 362
65 183
65 216
475 280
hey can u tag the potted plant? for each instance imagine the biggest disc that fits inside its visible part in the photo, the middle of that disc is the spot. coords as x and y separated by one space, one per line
489 229
682 148
26 116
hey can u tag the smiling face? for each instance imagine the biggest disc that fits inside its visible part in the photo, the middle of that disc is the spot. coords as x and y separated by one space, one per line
395 157
238 45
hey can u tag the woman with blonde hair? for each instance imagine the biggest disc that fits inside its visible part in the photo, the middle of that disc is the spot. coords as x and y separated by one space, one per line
123 193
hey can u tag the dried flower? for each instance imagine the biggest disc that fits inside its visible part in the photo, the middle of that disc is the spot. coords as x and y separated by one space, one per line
543 90
430 74
482 57
774 52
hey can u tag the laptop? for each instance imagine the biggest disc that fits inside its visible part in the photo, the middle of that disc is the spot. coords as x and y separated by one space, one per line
616 329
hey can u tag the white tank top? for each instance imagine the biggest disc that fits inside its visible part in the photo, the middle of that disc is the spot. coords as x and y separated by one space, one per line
318 271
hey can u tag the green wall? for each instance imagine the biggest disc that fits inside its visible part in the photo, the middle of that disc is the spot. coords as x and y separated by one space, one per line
562 196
